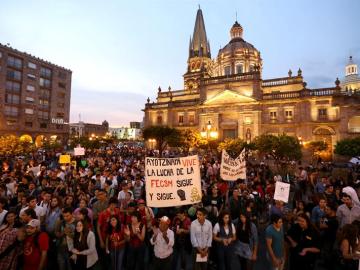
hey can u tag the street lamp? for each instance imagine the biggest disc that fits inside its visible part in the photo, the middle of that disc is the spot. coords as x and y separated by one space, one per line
300 140
209 132
152 143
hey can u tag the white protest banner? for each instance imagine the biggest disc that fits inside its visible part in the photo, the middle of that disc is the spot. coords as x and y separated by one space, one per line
172 181
282 191
233 169
79 151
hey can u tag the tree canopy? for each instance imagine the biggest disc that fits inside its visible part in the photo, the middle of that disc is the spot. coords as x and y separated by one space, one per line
348 147
164 136
281 147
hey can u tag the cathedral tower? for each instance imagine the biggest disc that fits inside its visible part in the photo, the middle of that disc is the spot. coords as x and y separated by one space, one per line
199 59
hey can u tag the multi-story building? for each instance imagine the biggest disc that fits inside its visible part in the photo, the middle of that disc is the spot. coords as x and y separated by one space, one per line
34 96
227 97
126 133
136 125
82 129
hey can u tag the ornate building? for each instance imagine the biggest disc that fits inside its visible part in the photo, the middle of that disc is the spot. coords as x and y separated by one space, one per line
227 97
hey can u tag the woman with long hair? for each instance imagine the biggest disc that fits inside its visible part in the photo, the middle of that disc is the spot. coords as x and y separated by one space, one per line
224 234
246 246
115 243
304 240
83 204
135 234
349 245
83 247
10 245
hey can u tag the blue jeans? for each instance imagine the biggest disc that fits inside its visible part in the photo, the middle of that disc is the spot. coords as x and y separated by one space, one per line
182 259
117 256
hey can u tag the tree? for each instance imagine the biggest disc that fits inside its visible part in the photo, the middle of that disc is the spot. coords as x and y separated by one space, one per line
316 147
348 147
281 147
11 145
190 138
164 136
234 146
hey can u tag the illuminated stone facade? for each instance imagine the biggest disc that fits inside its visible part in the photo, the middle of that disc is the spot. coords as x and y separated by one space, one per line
229 93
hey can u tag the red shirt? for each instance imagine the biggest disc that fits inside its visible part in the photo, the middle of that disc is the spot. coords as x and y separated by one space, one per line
104 218
116 238
32 251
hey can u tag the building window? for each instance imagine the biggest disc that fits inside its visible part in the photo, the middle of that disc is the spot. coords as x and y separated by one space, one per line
239 69
0 54
12 86
11 122
14 62
273 115
29 111
43 125
28 124
61 105
181 119
31 76
252 68
227 71
61 95
29 100
45 72
62 85
191 119
159 120
60 115
288 114
12 99
32 65
62 75
59 126
45 83
13 75
44 94
30 88
43 103
43 115
322 114
11 111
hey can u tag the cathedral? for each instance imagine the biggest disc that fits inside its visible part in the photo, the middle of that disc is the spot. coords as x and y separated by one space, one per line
226 97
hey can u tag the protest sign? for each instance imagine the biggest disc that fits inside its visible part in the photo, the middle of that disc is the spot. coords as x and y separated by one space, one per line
172 181
79 151
282 191
232 169
63 159
35 170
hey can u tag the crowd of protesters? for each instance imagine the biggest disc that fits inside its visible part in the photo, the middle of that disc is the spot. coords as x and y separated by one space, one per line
94 216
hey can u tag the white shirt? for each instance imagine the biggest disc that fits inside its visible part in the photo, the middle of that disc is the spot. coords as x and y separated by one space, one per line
40 211
216 229
162 249
122 195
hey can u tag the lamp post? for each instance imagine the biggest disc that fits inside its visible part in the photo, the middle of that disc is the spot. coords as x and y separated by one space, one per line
209 132
152 143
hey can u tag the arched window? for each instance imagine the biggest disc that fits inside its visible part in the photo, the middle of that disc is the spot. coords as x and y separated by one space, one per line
227 71
239 69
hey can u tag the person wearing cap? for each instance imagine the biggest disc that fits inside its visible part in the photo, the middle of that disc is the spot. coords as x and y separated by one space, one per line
36 246
163 242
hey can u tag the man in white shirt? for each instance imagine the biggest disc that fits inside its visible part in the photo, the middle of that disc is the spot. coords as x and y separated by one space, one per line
32 204
201 239
163 242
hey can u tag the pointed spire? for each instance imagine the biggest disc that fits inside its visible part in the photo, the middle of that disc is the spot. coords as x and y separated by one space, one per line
199 40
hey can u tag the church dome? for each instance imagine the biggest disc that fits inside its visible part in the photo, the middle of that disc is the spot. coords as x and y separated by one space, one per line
238 56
